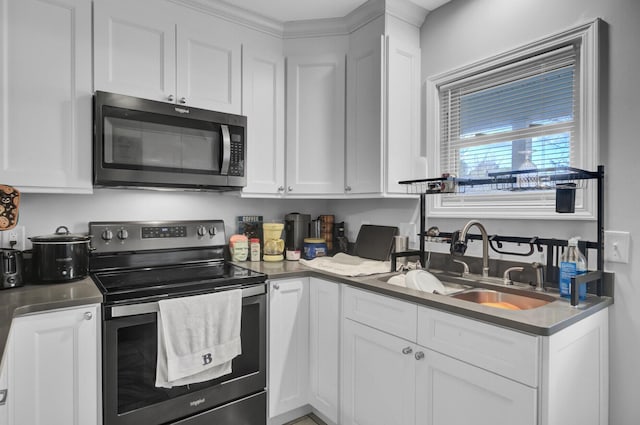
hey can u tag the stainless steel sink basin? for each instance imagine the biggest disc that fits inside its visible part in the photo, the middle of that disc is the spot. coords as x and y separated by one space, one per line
502 300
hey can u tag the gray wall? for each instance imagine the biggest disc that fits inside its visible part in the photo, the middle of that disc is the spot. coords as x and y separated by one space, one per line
464 31
41 214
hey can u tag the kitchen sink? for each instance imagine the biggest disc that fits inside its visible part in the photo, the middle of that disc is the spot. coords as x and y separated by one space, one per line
504 300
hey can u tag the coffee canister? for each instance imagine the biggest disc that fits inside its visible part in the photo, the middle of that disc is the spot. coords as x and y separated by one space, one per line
314 247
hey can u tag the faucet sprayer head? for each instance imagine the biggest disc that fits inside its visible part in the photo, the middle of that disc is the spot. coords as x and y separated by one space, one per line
458 247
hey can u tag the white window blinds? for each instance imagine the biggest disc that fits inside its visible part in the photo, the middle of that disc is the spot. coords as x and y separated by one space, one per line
516 116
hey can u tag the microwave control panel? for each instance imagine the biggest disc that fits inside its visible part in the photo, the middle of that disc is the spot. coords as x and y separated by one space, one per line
236 164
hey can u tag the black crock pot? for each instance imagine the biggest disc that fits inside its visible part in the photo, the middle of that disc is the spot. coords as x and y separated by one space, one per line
60 257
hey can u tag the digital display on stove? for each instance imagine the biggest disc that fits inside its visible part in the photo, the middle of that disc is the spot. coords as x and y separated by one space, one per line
164 232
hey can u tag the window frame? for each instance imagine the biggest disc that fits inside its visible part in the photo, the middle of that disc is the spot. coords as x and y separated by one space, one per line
536 204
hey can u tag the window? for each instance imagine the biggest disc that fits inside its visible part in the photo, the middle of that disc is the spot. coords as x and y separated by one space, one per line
531 108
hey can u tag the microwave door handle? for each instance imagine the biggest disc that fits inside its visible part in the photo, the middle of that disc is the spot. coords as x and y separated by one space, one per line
226 150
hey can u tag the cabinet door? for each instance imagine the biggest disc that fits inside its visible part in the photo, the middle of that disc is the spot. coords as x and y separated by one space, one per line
403 155
449 392
377 377
288 345
54 368
45 95
324 336
134 48
263 104
315 124
208 64
364 116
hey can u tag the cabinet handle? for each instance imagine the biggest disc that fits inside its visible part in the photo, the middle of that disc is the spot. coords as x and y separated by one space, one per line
407 350
88 316
183 100
419 355
3 396
170 98
290 188
347 189
276 286
280 188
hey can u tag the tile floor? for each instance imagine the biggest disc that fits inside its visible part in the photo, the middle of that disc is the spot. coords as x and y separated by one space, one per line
307 420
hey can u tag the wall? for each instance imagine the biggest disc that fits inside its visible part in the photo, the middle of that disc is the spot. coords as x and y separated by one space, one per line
41 214
464 31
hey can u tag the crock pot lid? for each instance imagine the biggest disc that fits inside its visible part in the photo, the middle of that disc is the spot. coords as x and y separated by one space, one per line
61 235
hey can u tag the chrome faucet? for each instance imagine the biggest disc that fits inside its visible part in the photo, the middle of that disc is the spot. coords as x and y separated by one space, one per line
459 245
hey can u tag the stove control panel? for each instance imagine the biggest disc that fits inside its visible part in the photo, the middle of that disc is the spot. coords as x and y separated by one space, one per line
120 236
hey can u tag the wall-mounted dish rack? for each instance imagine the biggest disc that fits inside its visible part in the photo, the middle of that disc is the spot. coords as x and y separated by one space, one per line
565 180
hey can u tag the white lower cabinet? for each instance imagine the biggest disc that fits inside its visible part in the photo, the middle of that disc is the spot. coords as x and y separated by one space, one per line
324 347
448 391
358 357
52 368
387 379
288 345
377 377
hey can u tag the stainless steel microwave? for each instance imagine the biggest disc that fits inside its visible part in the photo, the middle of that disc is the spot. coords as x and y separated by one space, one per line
145 143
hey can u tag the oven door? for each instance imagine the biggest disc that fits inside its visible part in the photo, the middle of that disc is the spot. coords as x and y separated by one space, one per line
129 369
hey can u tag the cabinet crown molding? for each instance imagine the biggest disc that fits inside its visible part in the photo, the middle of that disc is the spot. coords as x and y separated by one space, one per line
368 11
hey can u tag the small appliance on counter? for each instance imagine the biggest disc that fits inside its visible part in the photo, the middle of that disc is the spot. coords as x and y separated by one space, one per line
10 259
273 246
297 229
61 256
11 268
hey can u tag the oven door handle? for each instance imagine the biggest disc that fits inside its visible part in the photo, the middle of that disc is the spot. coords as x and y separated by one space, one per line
152 307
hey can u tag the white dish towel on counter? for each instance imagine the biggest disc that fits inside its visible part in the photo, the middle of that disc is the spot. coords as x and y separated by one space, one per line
198 337
348 265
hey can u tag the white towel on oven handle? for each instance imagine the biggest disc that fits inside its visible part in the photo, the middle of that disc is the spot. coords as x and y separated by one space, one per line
198 337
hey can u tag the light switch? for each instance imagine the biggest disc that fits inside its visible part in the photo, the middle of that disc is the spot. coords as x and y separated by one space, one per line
616 246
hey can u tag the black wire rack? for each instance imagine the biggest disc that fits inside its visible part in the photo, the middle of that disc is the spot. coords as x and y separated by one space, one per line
558 179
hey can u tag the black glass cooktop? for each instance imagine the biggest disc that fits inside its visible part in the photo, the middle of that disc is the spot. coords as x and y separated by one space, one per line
175 280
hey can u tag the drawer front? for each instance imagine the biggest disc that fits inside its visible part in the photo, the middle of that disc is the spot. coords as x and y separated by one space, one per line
508 353
378 311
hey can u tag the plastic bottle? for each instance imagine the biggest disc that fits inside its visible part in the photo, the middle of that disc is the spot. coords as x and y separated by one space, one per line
572 263
254 249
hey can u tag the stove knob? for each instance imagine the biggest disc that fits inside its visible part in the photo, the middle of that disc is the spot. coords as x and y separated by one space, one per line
107 235
123 234
212 230
201 231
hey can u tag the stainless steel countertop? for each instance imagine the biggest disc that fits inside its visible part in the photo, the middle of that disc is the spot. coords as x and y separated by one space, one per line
33 298
545 320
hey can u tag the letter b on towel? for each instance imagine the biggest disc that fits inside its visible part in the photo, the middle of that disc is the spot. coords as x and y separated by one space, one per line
206 359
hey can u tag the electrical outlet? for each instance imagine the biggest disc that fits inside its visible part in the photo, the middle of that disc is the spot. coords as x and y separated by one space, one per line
14 238
616 246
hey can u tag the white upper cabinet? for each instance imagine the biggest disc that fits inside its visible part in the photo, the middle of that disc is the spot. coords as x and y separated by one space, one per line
135 48
45 95
365 109
383 107
263 104
315 123
160 51
404 160
208 67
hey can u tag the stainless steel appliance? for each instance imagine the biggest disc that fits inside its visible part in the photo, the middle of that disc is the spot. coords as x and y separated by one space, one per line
144 143
135 265
296 229
11 268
